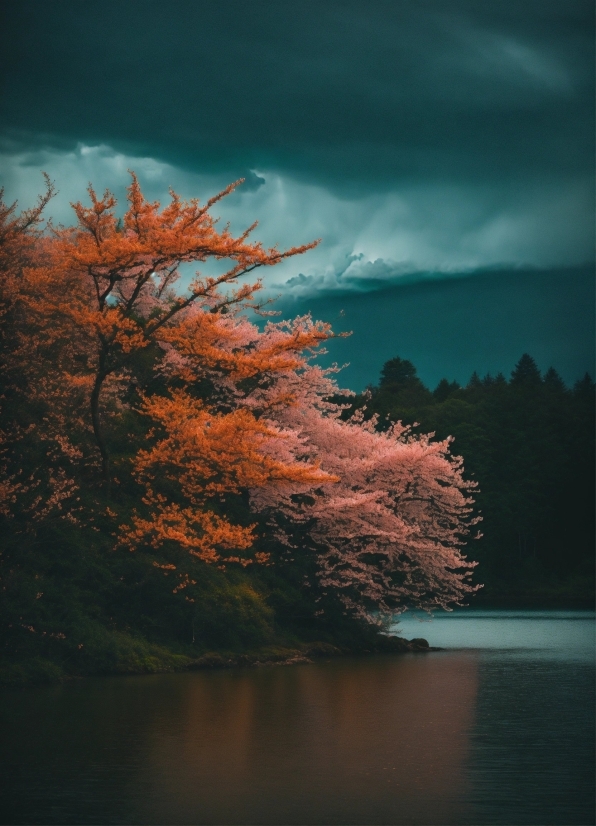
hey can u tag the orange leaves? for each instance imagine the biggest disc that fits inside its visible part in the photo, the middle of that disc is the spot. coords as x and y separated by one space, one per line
123 271
118 273
201 458
208 341
148 240
94 295
202 533
209 453
19 235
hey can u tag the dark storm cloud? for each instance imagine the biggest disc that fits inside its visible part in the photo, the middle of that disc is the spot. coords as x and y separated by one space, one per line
421 139
352 95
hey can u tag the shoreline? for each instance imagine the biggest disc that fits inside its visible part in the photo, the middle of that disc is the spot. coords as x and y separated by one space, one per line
37 671
131 655
309 654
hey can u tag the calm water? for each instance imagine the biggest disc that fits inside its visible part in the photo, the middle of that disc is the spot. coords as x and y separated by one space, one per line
498 729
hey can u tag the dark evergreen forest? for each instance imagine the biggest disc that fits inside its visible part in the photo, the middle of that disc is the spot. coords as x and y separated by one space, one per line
529 443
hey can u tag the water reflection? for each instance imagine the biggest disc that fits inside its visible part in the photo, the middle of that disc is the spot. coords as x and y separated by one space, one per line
498 733
349 742
382 740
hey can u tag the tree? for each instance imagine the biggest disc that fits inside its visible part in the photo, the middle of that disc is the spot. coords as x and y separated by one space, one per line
444 389
530 444
526 372
388 534
398 373
386 517
20 240
225 425
18 236
112 279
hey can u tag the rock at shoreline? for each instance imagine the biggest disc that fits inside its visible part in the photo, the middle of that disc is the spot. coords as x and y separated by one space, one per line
419 644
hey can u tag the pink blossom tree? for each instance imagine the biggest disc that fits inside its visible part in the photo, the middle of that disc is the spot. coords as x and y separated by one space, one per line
388 533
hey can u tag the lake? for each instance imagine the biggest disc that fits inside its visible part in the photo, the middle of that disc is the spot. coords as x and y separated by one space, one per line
498 728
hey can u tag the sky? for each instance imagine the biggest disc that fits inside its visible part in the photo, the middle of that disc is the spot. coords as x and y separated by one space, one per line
443 150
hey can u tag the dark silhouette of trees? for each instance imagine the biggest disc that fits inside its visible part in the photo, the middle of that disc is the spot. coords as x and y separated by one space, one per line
529 443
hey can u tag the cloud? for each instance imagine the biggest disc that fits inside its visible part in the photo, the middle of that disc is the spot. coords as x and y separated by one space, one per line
74 168
412 233
414 272
355 97
252 181
505 66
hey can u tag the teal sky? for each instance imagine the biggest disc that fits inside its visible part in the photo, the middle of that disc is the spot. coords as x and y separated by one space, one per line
451 327
442 151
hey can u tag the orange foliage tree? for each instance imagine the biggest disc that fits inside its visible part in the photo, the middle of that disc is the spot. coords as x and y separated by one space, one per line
20 237
120 274
96 295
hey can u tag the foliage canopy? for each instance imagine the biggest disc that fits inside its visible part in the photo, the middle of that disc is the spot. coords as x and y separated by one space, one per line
156 432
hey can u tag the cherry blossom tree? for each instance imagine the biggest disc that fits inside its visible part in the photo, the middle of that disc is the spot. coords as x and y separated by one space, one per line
388 533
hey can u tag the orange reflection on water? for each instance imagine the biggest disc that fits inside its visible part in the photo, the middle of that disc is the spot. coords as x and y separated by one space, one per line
375 740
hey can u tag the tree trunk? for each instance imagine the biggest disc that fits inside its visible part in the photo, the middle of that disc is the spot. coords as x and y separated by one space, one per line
102 373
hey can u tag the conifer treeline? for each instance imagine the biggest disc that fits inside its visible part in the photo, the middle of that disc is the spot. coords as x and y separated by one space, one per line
529 442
